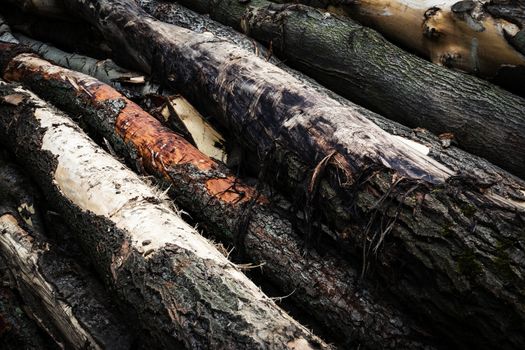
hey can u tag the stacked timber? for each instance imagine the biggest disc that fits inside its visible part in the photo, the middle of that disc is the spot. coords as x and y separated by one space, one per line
375 234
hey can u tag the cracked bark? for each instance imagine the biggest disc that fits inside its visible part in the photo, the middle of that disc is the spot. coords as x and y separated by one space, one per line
140 246
434 227
230 209
361 65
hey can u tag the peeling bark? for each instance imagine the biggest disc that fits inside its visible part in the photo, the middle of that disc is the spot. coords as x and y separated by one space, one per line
180 288
226 206
432 229
64 300
361 65
470 35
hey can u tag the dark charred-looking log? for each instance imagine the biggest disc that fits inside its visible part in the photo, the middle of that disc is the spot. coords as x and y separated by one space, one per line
234 211
67 303
361 65
17 330
179 287
431 227
77 36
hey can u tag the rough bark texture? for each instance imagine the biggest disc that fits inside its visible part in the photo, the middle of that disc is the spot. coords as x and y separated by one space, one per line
325 286
132 84
17 330
5 32
180 288
358 63
68 304
464 34
432 229
361 65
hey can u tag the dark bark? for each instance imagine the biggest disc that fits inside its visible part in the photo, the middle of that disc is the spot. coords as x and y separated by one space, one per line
17 330
230 209
70 305
174 282
448 240
513 11
361 65
77 36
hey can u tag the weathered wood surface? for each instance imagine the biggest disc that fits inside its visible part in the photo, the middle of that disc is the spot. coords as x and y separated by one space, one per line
476 36
182 290
68 304
228 208
431 226
357 62
361 65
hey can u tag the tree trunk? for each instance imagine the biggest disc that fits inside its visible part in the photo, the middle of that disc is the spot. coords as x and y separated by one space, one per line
481 118
175 111
180 288
68 304
362 66
469 35
435 224
232 210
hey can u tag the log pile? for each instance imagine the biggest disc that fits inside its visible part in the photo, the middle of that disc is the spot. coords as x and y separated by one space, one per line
167 181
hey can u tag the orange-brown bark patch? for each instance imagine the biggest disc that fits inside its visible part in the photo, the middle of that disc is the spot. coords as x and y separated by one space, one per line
158 147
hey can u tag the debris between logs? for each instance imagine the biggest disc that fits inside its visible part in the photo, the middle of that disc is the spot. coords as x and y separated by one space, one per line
379 192
361 65
234 211
168 277
389 237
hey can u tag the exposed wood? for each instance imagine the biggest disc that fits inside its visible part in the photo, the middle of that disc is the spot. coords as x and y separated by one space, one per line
357 63
206 138
64 300
470 35
229 208
431 227
177 111
179 287
361 65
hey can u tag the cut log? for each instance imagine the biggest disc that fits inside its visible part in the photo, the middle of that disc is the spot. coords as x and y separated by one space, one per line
361 65
68 304
470 35
132 84
65 300
357 63
176 111
442 254
174 282
233 210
